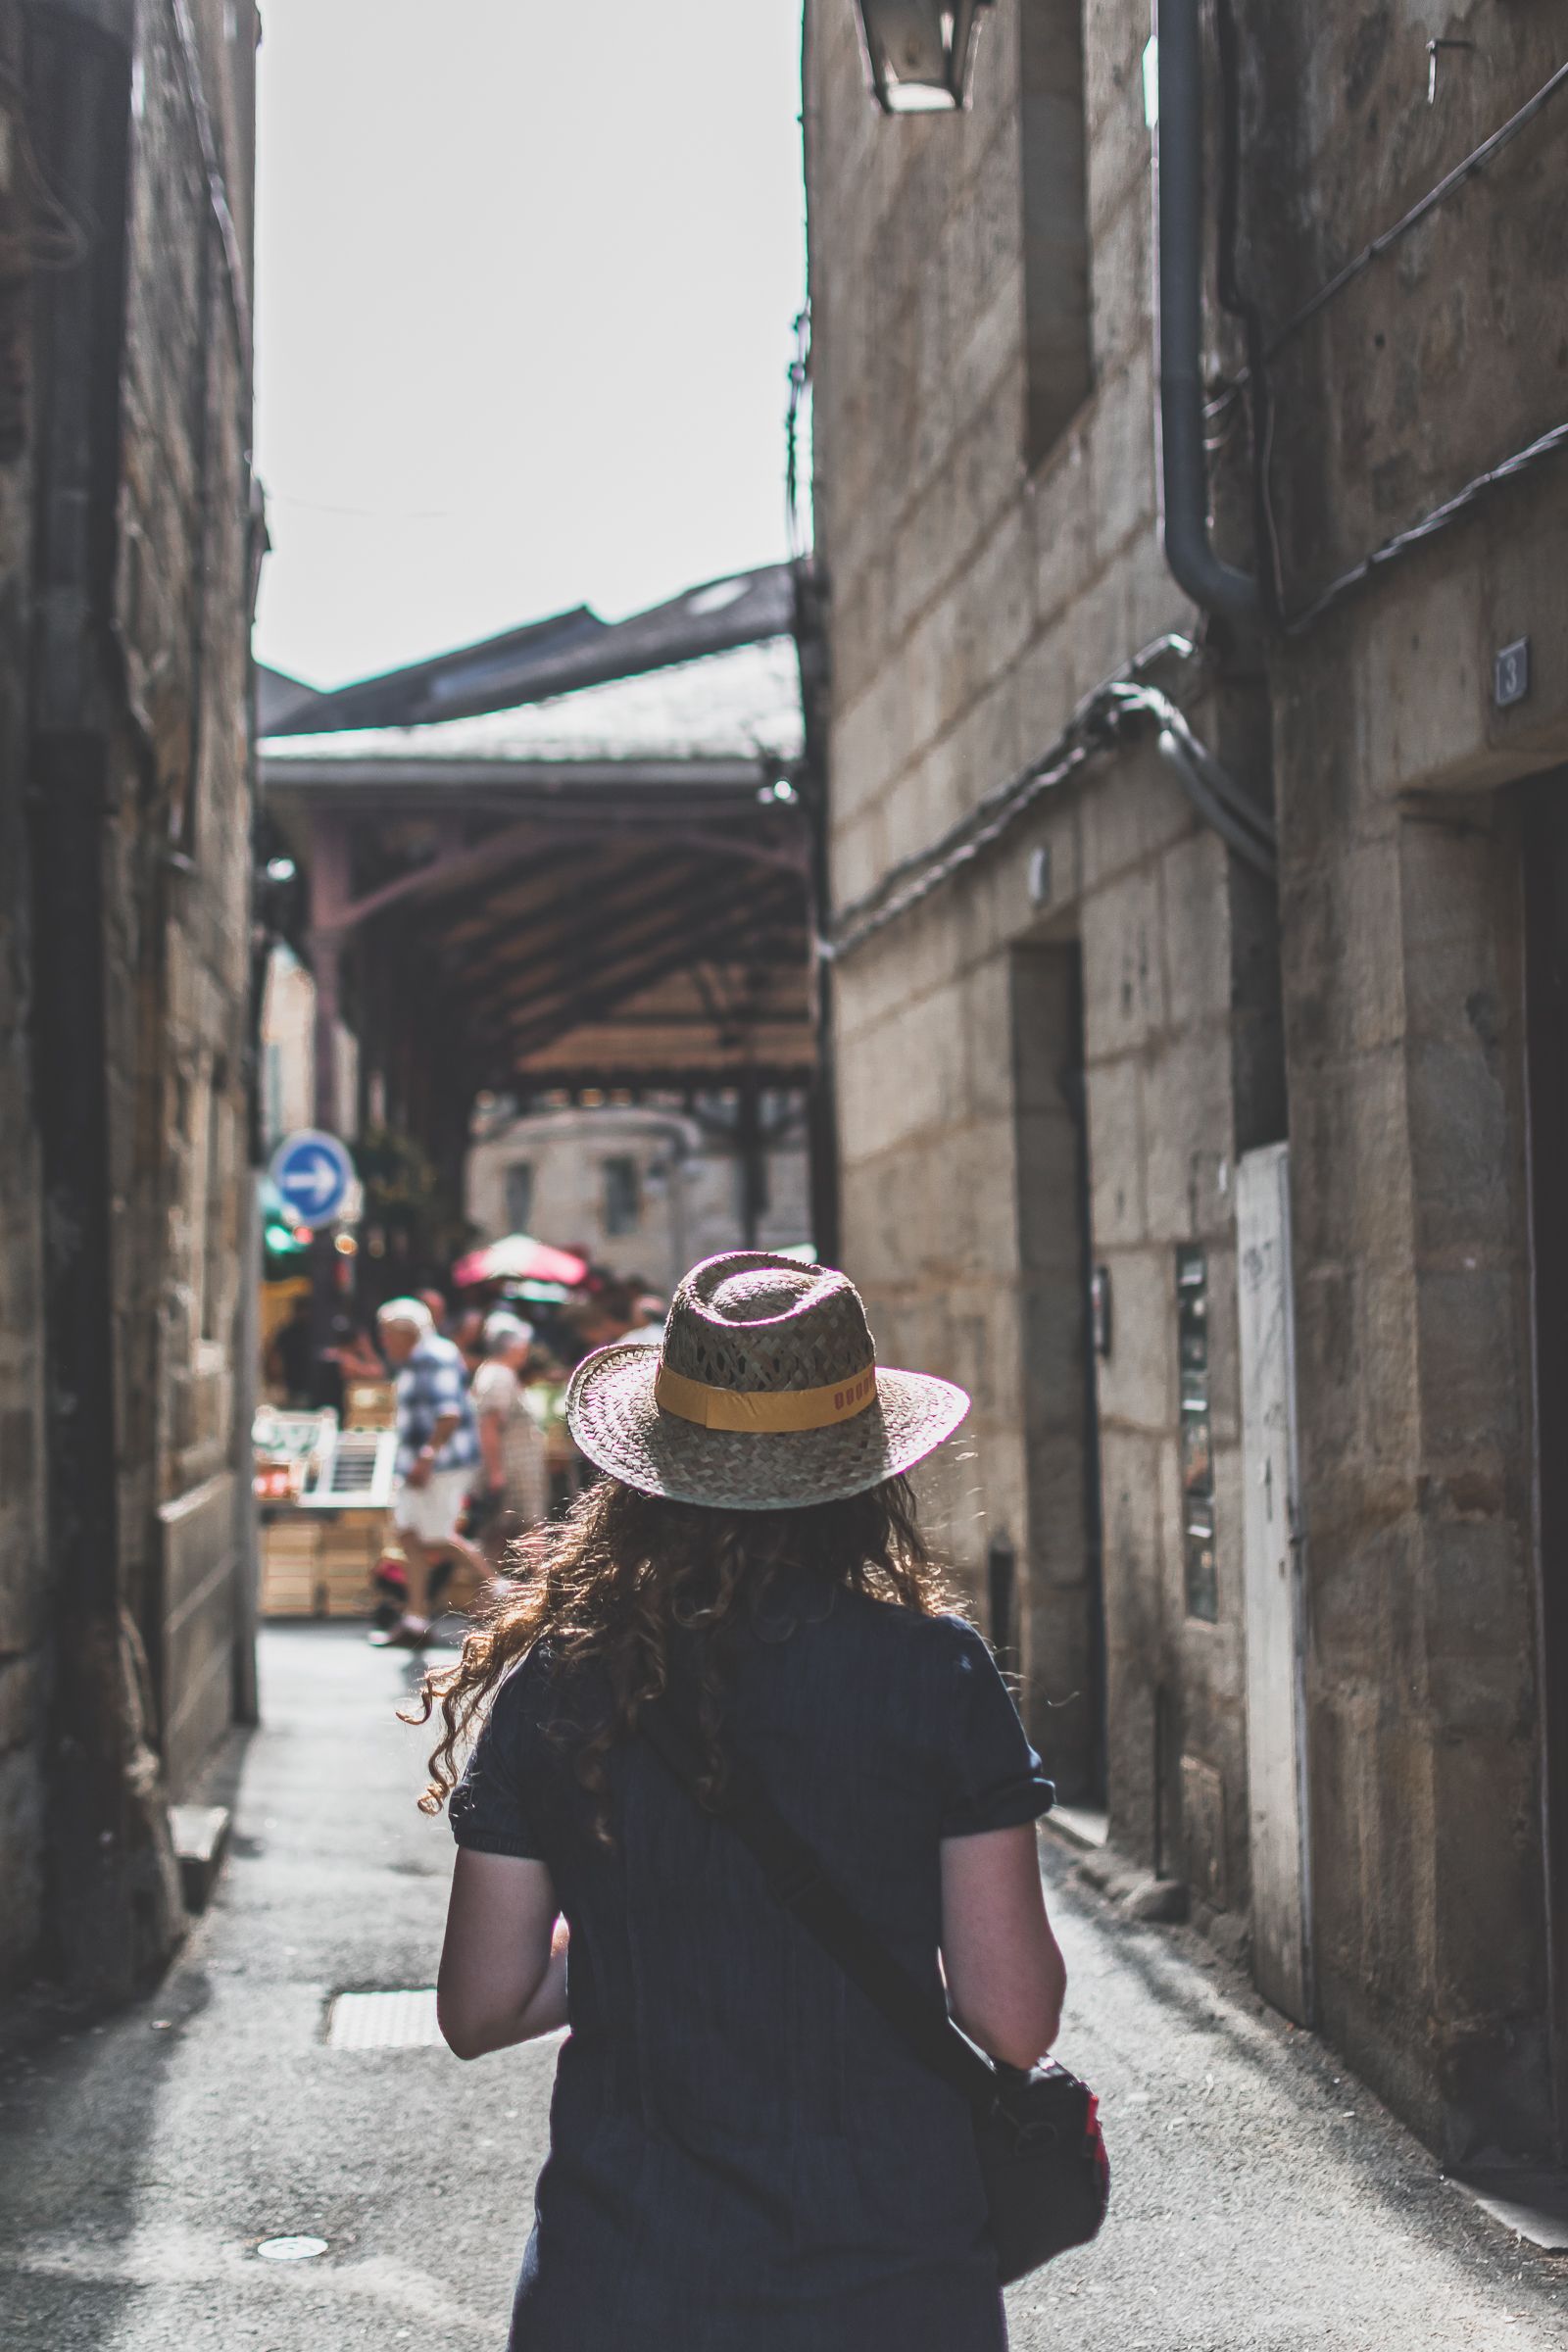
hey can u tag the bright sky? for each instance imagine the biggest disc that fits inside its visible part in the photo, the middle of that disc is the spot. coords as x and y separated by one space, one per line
525 280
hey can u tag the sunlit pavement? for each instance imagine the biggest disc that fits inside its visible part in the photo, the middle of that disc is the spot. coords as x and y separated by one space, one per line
1262 2201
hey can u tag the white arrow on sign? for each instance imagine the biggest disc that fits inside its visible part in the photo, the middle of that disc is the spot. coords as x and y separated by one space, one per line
316 1177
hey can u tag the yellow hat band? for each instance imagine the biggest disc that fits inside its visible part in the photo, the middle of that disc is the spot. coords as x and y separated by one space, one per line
764 1410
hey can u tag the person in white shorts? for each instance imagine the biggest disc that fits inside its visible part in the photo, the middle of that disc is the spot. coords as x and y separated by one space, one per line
438 1454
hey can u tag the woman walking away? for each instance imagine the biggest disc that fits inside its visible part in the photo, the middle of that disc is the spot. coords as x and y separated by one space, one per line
515 1488
744 2153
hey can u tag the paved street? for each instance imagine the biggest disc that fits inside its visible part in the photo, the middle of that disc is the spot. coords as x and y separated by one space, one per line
1262 2201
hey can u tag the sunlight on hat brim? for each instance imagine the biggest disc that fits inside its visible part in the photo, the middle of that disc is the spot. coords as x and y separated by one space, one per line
611 1413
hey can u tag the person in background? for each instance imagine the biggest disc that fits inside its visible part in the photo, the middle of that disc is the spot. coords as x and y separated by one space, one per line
355 1352
435 1305
512 1443
351 1357
651 1311
606 1314
467 1336
288 1362
438 1449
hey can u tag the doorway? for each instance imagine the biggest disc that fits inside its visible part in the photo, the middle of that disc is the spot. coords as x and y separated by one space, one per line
1546 897
1059 1616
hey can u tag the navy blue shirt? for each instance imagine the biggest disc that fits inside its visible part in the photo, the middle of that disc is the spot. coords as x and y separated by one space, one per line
743 2153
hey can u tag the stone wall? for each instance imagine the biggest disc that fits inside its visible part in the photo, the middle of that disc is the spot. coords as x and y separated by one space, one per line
688 1204
991 555
1398 780
183 851
983 577
174 543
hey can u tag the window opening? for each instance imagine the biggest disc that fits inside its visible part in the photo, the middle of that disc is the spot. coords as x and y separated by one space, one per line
1056 219
622 1201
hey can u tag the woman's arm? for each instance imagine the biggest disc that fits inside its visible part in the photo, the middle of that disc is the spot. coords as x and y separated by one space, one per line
1004 1971
504 1963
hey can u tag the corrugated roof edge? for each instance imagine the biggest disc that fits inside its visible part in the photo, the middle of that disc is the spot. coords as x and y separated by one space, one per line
559 655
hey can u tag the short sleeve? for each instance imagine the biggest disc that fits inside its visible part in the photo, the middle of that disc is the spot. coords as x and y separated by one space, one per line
489 1808
994 1779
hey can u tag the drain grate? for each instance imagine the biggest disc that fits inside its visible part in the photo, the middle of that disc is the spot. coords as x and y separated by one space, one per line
384 2021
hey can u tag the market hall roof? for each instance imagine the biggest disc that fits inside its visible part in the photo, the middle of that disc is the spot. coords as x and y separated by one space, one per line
559 655
609 883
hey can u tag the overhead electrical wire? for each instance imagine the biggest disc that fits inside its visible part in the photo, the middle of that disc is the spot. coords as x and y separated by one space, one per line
1549 444
1473 162
1251 379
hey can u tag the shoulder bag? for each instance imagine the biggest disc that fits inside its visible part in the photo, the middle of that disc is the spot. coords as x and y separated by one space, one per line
1037 2133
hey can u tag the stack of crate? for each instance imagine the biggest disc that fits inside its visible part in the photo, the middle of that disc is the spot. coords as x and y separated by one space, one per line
290 1563
350 1547
319 1563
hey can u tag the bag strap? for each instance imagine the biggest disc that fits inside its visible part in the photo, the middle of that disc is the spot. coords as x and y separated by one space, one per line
799 1883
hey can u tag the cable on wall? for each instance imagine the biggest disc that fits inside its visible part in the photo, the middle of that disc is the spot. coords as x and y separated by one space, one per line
1100 723
1523 461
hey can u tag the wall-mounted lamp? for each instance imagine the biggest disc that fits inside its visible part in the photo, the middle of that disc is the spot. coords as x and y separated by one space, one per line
919 54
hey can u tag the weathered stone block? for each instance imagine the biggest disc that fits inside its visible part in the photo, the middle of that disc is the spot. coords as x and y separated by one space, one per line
1119 280
994 606
1041 693
1189 1136
1117 1152
1124 965
858 858
1196 928
1097 621
1420 684
1137 1380
1464 1153
1057 503
1121 447
1349 1152
1471 1346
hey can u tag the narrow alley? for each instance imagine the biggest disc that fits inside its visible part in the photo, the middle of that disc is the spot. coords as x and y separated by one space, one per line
1262 2199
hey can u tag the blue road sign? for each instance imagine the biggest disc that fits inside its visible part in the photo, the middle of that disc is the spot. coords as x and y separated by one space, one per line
312 1173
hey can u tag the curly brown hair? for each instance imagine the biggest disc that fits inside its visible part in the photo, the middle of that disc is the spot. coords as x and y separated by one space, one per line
609 1584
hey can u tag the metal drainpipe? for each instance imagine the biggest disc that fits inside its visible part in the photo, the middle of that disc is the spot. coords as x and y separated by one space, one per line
1179 324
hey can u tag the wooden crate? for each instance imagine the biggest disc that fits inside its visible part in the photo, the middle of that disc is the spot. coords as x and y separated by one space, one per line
351 1545
290 1565
318 1563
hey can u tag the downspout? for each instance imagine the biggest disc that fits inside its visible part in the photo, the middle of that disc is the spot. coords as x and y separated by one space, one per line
1217 587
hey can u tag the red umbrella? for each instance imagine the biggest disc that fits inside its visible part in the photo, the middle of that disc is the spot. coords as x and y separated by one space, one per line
518 1258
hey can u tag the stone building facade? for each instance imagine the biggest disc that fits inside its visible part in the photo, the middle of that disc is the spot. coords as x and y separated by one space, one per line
128 551
645 1188
1198 971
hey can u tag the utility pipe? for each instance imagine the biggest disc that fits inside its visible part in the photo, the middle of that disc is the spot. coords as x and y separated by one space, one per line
1217 587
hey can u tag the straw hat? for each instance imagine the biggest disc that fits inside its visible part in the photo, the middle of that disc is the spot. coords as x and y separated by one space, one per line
765 1395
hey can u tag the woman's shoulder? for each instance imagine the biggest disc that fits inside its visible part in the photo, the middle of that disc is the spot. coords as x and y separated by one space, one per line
941 1642
521 1696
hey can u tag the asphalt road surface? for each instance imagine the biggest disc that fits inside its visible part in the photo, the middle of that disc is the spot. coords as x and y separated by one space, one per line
1262 2199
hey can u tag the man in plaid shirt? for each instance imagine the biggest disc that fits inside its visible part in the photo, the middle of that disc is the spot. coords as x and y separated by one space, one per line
438 1451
